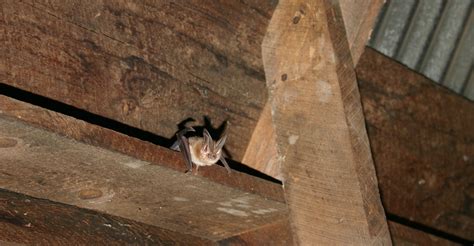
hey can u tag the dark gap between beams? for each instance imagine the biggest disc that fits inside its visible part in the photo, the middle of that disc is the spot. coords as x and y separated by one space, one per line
427 229
95 119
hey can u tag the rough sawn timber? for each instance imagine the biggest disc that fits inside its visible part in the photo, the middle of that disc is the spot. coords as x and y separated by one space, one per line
27 220
45 165
148 64
359 18
143 150
404 235
422 140
329 177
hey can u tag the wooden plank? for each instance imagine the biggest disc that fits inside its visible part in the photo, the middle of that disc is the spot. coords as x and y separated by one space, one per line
25 220
329 179
278 233
157 155
359 18
404 235
45 165
261 153
422 140
148 64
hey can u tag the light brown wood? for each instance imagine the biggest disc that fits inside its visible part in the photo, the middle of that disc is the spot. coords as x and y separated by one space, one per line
45 165
261 153
156 155
359 18
329 178
27 220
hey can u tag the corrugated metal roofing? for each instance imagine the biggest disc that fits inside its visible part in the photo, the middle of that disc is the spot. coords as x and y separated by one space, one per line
433 37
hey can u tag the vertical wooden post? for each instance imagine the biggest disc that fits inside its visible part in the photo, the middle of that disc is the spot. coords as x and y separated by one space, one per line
359 18
329 178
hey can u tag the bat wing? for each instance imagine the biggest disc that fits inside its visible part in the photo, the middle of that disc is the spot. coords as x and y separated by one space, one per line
175 145
182 144
222 159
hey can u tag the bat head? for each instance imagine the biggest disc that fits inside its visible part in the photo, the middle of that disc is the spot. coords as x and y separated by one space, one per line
212 150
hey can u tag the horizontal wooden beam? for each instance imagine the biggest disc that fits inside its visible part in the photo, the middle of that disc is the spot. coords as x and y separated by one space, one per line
45 165
157 155
148 64
422 139
32 221
404 235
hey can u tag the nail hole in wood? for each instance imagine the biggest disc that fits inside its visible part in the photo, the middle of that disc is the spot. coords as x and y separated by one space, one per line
296 19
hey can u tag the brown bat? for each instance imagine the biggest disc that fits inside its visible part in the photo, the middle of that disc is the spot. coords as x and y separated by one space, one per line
200 151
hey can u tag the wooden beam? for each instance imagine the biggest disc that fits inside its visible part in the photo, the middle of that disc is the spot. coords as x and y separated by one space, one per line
157 155
261 153
404 235
45 165
32 221
422 139
148 64
329 179
359 18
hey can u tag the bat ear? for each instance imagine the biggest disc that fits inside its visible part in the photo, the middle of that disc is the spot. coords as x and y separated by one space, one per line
221 142
207 141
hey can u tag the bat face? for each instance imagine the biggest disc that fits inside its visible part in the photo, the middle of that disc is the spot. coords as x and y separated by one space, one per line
200 151
205 151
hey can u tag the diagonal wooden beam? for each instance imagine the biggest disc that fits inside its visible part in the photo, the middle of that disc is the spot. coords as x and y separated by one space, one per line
422 140
359 18
329 178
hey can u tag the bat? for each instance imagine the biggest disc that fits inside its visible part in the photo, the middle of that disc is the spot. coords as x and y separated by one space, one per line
200 151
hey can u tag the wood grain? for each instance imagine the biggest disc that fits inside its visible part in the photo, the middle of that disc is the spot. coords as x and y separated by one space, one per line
149 64
45 165
422 139
404 235
359 19
143 150
329 179
261 153
26 220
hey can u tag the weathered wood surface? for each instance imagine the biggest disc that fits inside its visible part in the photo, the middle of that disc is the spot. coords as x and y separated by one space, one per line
149 64
329 178
45 165
404 235
359 18
261 153
31 221
422 139
102 137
